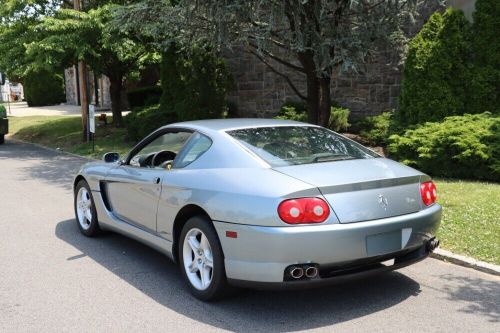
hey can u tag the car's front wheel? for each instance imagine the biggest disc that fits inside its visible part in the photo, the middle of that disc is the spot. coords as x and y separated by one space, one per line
85 213
202 259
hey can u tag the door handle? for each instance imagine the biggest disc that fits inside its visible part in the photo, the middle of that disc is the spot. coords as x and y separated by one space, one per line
156 180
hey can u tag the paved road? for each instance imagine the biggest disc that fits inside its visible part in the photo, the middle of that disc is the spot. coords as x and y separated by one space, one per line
52 279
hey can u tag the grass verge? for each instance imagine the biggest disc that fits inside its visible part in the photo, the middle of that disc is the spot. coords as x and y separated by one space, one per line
65 133
471 218
471 210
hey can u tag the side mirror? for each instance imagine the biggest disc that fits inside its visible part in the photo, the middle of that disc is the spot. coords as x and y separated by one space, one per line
111 157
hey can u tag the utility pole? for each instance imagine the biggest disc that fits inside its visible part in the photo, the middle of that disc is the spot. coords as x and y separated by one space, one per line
84 101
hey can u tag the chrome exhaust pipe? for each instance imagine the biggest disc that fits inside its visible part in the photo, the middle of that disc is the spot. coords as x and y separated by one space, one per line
432 244
297 272
311 272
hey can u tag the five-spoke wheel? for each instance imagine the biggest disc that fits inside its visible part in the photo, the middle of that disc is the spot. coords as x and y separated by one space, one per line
85 212
202 261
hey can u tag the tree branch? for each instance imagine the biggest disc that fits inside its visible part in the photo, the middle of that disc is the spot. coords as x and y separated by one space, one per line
276 58
288 80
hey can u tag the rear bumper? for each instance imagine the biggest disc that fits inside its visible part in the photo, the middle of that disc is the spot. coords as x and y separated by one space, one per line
261 254
353 271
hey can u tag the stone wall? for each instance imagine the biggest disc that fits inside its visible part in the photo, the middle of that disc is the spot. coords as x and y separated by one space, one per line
259 92
71 87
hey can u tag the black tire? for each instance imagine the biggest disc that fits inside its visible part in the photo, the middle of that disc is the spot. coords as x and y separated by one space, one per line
2 138
218 287
93 227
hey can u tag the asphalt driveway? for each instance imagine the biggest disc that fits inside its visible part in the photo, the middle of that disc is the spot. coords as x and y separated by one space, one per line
53 279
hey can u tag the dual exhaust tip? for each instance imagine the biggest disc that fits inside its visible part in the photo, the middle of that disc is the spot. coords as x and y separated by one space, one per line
432 244
302 271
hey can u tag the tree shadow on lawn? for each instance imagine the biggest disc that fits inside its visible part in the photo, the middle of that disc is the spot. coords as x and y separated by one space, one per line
248 310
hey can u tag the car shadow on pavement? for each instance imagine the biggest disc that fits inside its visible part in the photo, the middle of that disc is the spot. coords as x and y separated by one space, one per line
248 310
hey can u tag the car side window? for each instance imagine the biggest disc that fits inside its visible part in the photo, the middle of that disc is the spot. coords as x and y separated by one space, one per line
162 151
197 145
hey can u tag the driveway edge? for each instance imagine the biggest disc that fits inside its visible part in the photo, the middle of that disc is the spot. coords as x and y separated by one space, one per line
90 159
469 262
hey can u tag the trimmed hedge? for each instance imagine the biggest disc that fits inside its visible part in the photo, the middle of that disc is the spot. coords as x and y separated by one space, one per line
43 88
194 84
465 147
143 122
298 111
293 111
485 79
436 70
376 129
144 96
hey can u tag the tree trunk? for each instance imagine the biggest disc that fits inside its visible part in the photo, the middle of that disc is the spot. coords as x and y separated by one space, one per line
318 91
324 101
115 92
318 99
312 98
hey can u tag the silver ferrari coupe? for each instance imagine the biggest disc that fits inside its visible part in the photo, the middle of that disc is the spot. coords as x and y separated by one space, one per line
261 203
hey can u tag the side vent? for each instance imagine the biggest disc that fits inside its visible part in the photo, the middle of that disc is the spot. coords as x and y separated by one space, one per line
104 194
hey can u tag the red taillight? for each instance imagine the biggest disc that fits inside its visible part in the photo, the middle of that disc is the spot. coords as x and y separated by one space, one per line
428 193
303 210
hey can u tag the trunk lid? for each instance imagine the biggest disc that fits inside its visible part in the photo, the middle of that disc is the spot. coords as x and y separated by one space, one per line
363 189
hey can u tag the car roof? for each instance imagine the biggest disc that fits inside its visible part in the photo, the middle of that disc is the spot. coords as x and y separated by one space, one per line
235 123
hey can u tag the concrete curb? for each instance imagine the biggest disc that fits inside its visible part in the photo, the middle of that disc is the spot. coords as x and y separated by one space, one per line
466 261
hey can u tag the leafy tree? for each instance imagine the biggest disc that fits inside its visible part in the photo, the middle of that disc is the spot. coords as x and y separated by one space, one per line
38 35
436 70
44 88
485 81
69 36
312 37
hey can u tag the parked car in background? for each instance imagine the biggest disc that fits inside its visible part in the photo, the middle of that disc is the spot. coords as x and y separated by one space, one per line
4 124
261 203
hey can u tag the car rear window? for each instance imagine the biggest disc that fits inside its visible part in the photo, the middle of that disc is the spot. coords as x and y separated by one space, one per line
294 145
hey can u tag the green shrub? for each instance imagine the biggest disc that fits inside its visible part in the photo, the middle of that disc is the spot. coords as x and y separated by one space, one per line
339 118
144 121
436 70
3 111
376 129
44 88
194 84
144 96
293 111
484 87
465 146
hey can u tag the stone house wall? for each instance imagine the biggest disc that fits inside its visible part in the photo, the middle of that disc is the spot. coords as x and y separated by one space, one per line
71 87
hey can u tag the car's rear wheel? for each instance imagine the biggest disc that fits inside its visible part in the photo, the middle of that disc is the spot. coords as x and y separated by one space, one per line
85 213
2 138
202 260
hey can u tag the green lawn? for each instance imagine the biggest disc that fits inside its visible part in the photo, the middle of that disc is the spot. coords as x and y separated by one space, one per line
471 214
65 133
471 218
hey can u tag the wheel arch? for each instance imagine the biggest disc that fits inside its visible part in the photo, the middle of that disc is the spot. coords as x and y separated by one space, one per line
77 180
182 217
